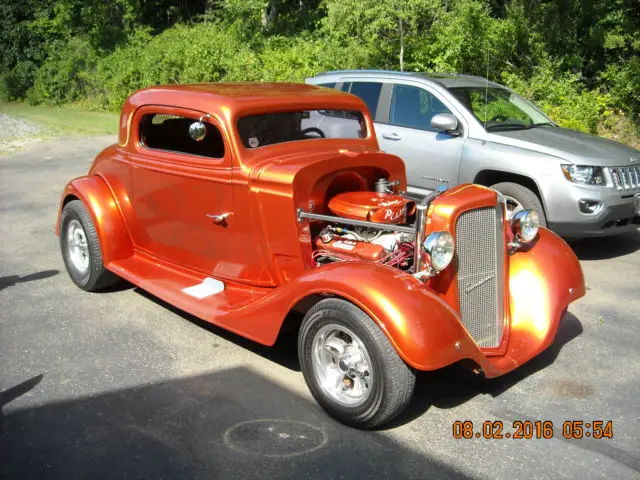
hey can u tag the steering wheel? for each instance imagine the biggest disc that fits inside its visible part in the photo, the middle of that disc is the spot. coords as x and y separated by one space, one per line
313 130
499 118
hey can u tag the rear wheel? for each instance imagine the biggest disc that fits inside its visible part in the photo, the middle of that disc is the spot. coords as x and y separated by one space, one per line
81 249
519 198
350 367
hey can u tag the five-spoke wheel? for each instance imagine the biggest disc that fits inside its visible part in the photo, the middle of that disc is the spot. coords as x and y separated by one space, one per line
342 365
81 250
350 366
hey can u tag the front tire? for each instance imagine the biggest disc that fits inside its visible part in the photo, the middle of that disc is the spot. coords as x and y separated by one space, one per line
519 198
81 250
350 367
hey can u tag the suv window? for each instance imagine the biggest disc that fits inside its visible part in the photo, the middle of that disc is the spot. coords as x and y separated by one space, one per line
327 85
414 107
369 92
171 132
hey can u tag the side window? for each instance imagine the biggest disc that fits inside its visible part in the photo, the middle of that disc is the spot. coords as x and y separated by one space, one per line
346 86
170 132
328 85
369 92
414 107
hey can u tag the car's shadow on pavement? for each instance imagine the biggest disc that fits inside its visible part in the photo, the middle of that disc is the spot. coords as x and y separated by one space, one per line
227 424
606 247
284 352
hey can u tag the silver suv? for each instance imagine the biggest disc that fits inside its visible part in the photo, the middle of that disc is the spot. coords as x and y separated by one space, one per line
452 129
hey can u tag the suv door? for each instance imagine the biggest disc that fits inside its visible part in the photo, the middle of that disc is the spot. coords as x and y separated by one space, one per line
177 186
403 128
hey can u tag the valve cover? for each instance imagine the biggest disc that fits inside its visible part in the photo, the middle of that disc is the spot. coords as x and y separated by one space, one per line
372 207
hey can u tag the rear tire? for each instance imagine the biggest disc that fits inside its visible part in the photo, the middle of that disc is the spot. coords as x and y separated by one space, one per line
519 195
350 367
81 250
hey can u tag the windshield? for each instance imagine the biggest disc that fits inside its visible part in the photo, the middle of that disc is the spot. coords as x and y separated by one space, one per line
271 128
498 108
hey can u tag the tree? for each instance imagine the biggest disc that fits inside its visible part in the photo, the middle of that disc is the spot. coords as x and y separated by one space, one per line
390 27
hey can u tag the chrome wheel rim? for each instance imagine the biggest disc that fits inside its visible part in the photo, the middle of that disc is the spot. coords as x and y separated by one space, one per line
513 206
77 246
341 365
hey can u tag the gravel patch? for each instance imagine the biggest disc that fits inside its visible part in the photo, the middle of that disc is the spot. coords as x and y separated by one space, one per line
17 134
12 127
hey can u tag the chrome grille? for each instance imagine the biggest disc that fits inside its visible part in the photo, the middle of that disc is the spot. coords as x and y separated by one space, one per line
480 259
626 178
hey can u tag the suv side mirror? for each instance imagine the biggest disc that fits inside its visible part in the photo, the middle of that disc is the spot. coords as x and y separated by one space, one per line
445 122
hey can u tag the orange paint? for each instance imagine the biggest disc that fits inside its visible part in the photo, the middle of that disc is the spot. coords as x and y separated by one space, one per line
150 210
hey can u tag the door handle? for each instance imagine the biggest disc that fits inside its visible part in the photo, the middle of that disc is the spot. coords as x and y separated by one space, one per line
391 136
220 219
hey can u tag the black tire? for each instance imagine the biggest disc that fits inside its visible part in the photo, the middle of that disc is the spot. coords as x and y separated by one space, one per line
524 196
96 277
393 380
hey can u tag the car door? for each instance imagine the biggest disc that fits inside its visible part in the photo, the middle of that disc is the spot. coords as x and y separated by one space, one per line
403 128
179 190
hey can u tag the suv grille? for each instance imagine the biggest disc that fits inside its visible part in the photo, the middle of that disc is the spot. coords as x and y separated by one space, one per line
626 178
480 258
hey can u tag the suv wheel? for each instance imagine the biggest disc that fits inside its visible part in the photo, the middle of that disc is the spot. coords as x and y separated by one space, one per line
520 198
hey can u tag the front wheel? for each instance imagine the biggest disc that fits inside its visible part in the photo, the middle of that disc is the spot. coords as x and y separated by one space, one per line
519 198
350 367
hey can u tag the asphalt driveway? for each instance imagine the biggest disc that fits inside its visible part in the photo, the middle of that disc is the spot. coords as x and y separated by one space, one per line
120 385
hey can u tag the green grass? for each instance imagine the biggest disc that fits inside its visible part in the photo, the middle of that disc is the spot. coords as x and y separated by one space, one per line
64 120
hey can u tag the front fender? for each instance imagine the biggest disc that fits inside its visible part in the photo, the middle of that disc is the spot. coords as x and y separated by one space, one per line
418 323
97 197
425 331
543 281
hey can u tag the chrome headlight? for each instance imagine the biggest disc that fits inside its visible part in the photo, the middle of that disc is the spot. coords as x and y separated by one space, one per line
439 247
525 225
584 174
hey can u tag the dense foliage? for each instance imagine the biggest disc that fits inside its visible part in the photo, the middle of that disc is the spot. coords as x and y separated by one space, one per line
578 59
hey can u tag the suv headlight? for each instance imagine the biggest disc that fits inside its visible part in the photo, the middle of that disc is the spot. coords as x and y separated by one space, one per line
525 225
439 246
584 174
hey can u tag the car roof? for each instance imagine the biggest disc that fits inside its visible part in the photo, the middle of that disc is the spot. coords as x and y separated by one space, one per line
227 101
447 80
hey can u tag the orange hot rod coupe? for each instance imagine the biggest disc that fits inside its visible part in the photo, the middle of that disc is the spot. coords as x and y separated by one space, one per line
240 203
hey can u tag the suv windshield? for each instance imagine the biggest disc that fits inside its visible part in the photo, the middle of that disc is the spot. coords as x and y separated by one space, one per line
500 109
270 128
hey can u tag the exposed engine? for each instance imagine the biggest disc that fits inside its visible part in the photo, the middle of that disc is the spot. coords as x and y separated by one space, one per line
384 244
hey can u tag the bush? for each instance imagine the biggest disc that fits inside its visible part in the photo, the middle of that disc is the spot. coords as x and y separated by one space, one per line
63 77
213 52
623 84
285 59
202 53
14 84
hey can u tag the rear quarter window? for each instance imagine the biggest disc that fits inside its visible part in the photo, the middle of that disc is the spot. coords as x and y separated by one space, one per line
171 132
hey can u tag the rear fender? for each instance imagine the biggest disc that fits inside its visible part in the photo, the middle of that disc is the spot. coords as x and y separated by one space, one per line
97 197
